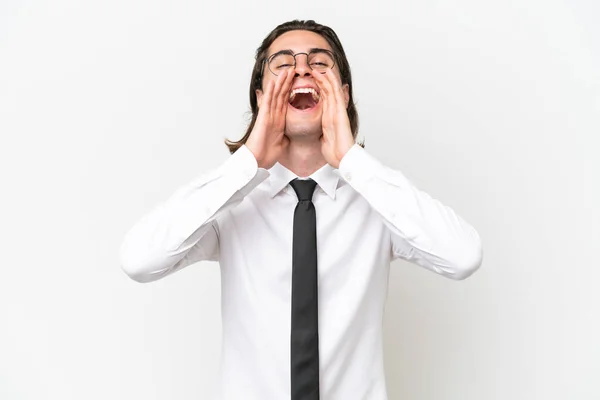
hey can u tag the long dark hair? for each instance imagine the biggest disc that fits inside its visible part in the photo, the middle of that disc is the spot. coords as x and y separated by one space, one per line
261 55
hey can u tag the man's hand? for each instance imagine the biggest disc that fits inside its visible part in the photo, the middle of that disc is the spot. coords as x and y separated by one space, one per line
337 136
267 140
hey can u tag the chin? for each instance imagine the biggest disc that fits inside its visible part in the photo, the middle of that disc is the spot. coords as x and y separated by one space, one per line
303 123
303 130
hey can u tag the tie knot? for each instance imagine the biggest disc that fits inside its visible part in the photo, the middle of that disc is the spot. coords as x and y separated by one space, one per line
304 188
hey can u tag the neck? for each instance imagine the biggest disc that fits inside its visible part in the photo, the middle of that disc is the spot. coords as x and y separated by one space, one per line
303 157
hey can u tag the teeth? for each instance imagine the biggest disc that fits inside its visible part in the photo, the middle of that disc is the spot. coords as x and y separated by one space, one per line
312 91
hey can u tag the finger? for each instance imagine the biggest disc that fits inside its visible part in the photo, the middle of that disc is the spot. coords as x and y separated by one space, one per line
335 87
277 90
331 100
284 96
325 91
266 98
322 83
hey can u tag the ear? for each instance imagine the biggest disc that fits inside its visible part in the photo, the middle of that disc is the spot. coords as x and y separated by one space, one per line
346 90
259 94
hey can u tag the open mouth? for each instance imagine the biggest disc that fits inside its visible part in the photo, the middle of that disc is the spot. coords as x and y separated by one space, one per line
304 98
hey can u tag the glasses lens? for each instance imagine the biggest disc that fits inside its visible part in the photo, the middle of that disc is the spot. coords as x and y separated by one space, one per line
320 61
281 62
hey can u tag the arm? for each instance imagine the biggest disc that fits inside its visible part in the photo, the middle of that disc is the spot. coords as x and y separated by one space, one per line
183 230
423 230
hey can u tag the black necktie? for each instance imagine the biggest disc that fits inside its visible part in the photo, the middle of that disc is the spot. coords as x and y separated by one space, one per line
305 334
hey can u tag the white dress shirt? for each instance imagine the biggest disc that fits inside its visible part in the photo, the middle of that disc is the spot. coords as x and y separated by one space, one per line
241 216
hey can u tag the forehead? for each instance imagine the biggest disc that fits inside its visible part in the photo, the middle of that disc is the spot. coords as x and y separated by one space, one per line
299 41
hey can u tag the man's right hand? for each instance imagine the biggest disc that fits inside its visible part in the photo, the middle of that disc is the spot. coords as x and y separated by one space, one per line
267 140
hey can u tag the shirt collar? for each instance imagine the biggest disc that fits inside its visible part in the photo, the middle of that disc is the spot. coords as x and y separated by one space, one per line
326 177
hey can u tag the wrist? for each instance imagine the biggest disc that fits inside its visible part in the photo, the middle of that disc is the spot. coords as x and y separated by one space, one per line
260 159
254 152
344 150
345 153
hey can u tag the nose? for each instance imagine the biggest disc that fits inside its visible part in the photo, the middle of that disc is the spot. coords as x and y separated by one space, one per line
302 68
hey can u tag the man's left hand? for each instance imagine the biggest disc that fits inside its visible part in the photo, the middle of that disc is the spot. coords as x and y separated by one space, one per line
337 136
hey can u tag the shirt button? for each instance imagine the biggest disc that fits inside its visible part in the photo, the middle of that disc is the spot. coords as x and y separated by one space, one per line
348 177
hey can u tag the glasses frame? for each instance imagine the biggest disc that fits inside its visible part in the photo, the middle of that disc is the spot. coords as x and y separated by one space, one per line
289 52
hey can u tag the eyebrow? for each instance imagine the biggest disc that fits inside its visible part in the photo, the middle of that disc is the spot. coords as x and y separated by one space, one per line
291 52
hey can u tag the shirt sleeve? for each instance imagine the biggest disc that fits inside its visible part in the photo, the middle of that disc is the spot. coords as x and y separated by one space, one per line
184 229
423 230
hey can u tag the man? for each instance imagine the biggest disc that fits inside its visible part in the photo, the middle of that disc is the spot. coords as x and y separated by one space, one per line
304 262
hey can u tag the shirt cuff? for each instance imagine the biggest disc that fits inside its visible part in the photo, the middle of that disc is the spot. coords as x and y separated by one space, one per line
358 167
243 168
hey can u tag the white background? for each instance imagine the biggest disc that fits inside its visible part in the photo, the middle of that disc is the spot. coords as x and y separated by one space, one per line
107 107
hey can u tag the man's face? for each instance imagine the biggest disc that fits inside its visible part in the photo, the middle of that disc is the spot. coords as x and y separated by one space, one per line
305 119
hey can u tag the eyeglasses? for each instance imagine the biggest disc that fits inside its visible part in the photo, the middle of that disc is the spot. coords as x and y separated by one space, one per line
318 60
